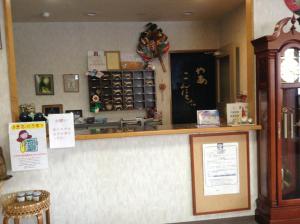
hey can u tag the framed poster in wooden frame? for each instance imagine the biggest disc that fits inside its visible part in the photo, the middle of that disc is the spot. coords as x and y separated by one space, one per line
220 172
113 60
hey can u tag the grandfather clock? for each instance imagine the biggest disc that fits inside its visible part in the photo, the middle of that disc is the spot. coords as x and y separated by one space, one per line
278 110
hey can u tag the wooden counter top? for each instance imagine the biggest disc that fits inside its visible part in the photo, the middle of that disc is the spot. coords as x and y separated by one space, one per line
163 130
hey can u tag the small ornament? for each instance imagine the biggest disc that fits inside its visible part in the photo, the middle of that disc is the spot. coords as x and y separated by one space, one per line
95 98
108 106
95 73
250 120
20 197
39 117
27 108
162 87
244 117
24 117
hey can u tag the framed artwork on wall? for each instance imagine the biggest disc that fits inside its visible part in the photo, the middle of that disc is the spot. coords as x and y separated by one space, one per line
44 84
71 83
52 109
113 60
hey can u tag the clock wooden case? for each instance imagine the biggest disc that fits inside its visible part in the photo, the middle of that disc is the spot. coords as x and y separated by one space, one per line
278 110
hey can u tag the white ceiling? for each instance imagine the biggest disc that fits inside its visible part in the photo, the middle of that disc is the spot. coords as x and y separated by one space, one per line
120 10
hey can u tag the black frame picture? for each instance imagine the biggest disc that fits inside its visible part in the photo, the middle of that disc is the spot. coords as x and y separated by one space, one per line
44 84
52 109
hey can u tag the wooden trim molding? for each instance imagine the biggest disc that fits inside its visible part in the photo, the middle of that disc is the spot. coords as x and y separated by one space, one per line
11 60
250 60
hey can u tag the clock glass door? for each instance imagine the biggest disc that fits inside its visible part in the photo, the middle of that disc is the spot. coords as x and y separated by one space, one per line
290 124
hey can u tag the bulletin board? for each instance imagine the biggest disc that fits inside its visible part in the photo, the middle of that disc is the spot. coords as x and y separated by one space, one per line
210 203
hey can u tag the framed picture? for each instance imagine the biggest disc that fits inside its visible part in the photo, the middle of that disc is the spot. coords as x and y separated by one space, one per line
44 84
113 60
52 109
71 83
77 113
96 60
208 118
220 172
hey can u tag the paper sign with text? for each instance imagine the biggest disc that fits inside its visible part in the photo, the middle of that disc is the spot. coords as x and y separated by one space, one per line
61 130
28 146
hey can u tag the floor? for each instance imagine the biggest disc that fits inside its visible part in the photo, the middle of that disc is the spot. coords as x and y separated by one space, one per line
241 220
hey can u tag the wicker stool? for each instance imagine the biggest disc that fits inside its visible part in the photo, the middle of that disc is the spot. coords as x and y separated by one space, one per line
13 209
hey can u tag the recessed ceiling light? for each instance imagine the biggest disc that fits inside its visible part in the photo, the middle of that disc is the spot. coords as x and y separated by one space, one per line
46 14
92 14
187 13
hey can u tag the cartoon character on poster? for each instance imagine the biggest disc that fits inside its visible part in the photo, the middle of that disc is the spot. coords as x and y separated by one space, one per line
27 143
28 146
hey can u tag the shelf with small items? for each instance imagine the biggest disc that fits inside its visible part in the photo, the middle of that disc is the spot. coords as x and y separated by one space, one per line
122 90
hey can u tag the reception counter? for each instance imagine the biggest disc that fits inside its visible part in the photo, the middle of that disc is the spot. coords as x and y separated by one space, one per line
138 180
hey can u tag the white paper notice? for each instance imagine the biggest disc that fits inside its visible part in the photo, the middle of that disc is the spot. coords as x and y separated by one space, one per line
221 168
61 130
96 61
28 146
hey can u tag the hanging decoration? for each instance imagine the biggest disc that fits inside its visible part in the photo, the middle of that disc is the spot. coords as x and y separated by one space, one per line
153 43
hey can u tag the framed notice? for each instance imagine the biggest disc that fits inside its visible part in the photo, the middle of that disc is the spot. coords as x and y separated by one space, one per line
113 60
220 172
28 146
96 61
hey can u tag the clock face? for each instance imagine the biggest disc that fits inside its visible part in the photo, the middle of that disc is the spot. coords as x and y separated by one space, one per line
293 5
290 68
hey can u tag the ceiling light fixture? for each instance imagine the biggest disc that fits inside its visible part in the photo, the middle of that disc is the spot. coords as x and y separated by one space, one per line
92 14
46 14
188 13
